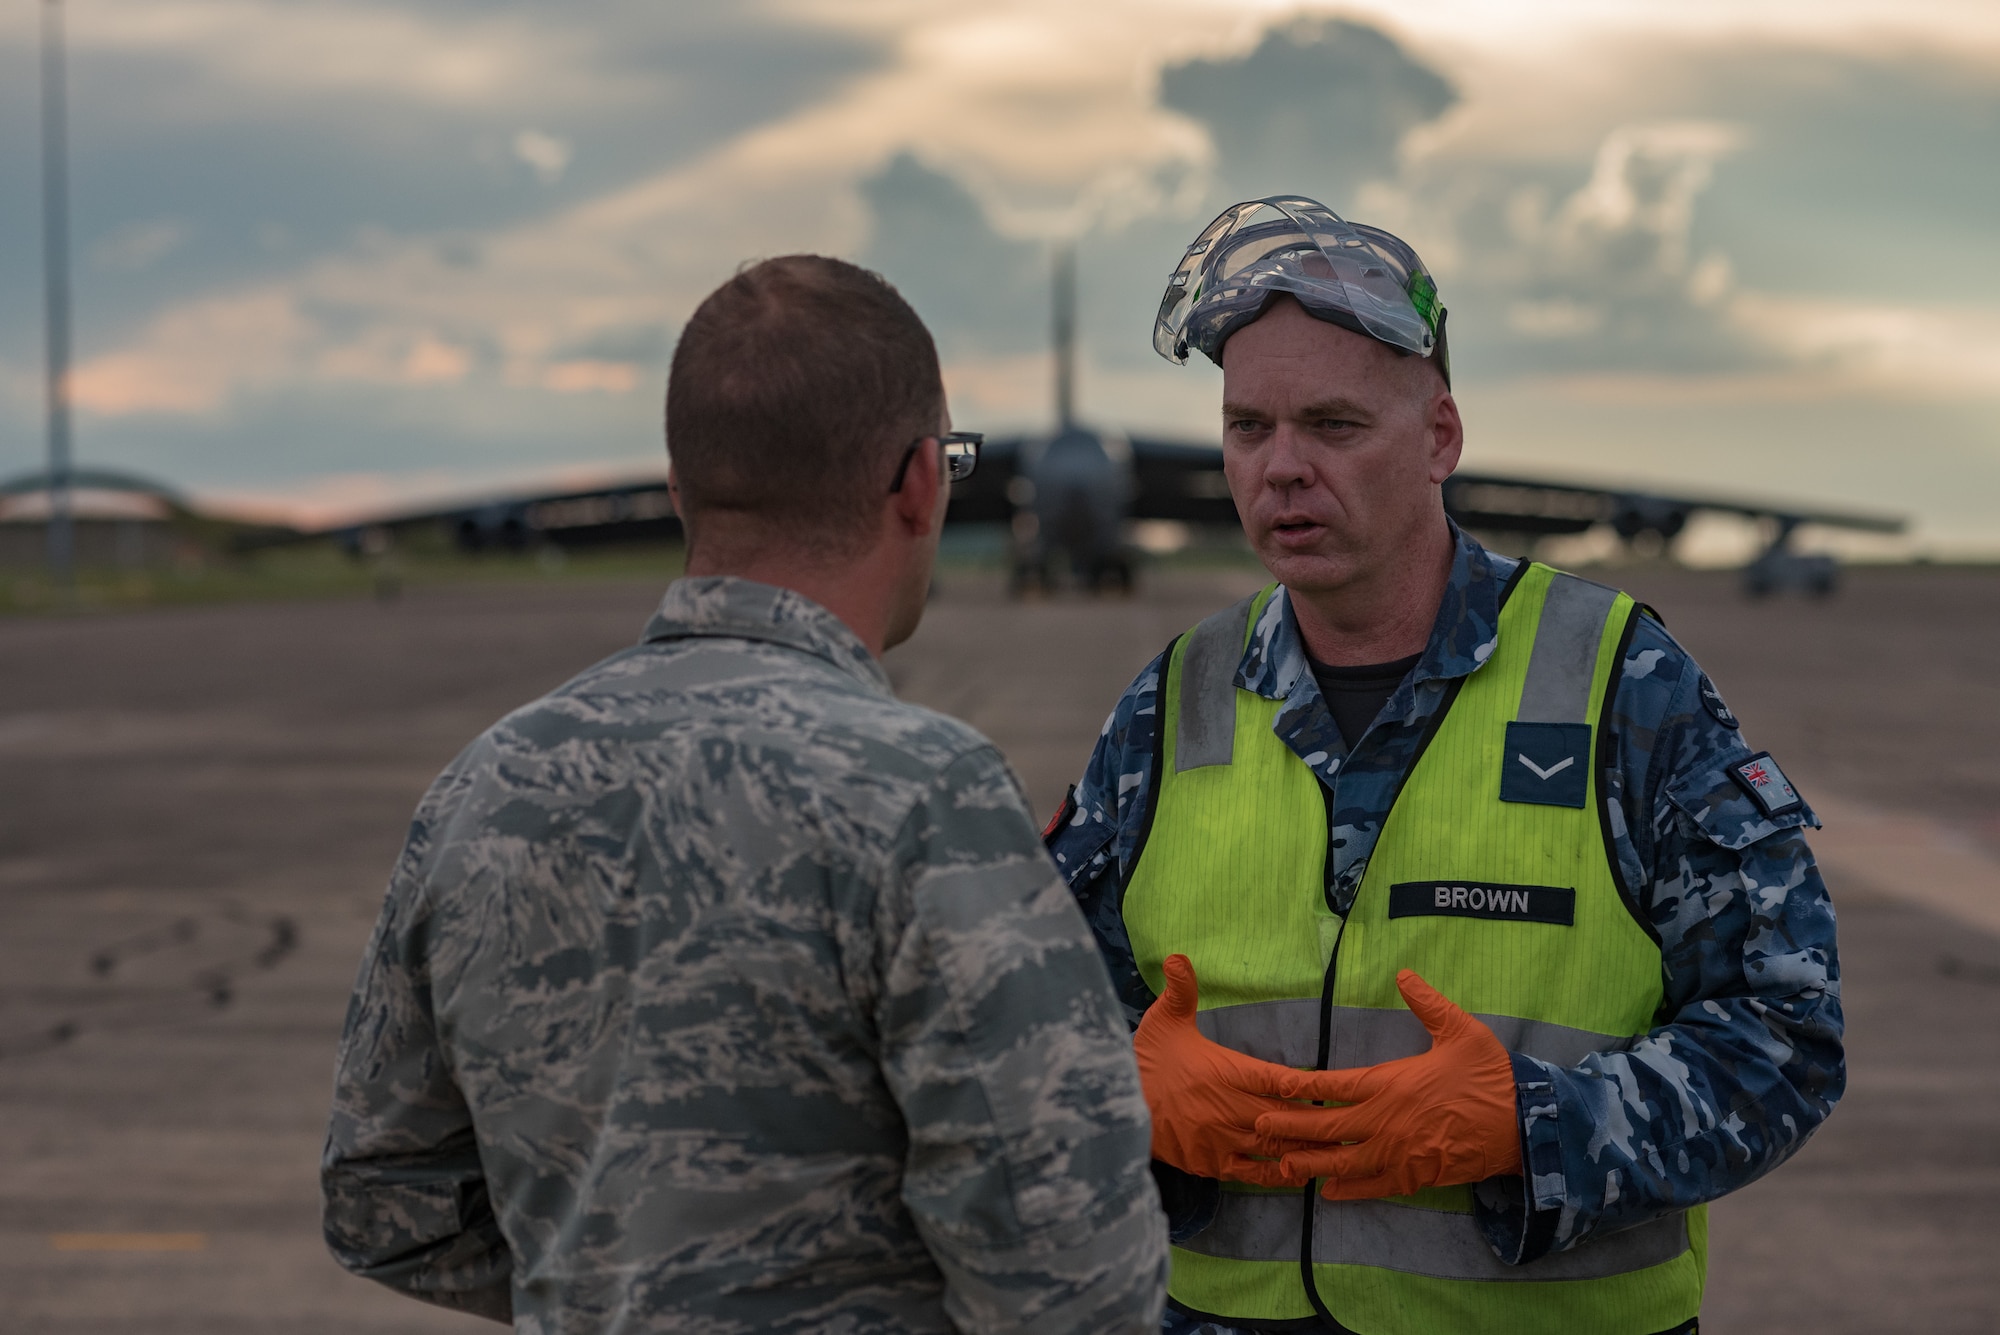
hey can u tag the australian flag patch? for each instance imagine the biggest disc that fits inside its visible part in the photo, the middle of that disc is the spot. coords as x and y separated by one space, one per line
1760 777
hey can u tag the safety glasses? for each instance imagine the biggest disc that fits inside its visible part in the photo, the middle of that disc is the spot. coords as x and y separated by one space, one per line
1346 273
961 455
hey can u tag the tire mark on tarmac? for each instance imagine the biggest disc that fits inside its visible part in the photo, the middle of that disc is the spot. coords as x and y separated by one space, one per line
209 988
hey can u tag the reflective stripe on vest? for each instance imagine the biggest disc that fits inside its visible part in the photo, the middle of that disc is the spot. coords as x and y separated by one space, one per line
1435 1243
1287 1032
1493 884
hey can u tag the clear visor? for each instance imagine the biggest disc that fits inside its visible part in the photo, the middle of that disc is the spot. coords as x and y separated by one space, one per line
1361 278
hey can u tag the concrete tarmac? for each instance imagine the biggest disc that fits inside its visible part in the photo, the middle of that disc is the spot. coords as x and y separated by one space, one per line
198 808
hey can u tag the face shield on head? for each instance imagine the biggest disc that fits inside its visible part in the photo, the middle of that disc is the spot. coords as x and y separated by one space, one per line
1361 278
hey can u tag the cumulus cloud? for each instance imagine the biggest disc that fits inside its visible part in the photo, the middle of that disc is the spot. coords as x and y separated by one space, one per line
1779 238
431 360
450 56
193 357
1925 349
948 171
548 154
521 306
1318 106
512 299
1602 277
1635 210
139 245
981 292
489 234
233 121
1310 104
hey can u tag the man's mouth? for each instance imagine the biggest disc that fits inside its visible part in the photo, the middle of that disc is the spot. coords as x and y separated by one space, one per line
1294 530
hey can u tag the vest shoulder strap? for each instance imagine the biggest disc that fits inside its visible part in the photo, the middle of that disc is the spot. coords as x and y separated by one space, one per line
1205 724
1564 659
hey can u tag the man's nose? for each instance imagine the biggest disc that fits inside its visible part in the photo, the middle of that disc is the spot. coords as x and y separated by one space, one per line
1287 464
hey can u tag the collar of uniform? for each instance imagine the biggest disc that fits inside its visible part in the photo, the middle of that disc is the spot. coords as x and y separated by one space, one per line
718 606
1462 637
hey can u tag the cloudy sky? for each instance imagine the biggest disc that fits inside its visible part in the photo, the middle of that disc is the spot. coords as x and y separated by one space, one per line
333 254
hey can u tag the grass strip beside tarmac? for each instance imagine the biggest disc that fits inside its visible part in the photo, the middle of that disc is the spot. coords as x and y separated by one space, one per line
322 571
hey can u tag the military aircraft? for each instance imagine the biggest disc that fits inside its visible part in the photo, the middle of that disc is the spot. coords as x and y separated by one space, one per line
1068 502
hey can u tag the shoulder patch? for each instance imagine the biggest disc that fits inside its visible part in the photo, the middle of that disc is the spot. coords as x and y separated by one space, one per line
1547 764
1760 777
1711 700
1062 816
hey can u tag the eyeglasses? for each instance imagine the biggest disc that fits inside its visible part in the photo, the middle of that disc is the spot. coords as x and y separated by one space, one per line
961 455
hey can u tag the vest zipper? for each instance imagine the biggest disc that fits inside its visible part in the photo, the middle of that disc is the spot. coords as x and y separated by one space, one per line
1310 1204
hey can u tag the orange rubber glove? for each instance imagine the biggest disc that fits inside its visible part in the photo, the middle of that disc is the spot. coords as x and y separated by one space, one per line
1440 1119
1206 1099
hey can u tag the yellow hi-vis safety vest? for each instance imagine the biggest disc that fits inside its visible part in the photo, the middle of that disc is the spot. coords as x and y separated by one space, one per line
1492 879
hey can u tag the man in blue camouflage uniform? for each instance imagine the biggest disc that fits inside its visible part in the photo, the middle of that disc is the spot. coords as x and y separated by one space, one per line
1745 1060
718 990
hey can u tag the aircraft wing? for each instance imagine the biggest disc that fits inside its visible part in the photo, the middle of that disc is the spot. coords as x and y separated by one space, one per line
1174 479
640 510
1539 507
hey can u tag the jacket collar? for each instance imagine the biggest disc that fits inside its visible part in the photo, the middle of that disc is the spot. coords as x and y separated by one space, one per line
716 606
1462 638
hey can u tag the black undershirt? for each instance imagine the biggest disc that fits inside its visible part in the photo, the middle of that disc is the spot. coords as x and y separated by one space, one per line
1356 694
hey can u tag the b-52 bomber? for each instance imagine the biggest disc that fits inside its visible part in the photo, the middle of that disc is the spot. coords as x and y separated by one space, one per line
1069 500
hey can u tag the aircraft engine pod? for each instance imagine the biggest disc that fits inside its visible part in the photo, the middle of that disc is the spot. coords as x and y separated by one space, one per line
495 528
1648 524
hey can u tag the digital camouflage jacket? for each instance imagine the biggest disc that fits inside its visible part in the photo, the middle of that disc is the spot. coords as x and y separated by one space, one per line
720 991
1746 1059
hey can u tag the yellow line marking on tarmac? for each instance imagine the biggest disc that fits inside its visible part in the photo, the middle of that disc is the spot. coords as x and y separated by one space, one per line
128 1242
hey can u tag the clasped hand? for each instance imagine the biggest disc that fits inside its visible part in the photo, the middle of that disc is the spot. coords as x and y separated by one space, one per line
1206 1099
1441 1118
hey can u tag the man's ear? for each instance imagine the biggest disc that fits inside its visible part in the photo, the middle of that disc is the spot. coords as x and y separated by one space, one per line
916 503
674 492
1447 437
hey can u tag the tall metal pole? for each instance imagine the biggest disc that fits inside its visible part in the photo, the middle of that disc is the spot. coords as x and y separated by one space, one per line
55 271
1065 334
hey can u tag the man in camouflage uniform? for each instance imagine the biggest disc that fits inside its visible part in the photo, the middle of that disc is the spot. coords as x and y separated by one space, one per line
1339 428
718 990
